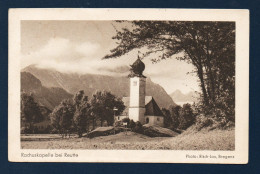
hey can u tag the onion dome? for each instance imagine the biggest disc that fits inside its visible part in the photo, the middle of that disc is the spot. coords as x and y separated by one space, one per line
137 68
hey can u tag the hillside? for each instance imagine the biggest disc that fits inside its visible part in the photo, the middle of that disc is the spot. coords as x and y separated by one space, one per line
212 140
48 97
92 82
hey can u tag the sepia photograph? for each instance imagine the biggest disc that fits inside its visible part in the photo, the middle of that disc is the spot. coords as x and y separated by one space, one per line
128 84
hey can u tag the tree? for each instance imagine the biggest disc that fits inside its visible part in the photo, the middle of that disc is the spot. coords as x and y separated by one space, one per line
71 115
208 46
167 118
187 117
62 117
103 104
30 112
82 112
96 108
175 112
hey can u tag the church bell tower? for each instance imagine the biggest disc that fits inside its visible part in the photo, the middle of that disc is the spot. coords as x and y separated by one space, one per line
137 91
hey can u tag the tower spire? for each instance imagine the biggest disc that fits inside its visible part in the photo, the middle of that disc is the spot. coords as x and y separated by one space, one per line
137 68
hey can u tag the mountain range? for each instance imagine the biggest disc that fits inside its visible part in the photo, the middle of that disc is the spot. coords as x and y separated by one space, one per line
51 86
181 98
45 96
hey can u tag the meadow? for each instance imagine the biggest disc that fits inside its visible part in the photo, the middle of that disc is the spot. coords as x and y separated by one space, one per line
202 140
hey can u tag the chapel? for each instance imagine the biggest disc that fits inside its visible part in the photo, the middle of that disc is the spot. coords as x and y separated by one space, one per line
140 107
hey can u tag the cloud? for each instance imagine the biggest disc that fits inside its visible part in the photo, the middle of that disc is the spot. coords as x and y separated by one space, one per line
57 50
56 47
118 69
71 57
88 48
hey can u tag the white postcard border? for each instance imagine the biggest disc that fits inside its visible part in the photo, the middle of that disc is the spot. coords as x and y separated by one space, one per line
241 17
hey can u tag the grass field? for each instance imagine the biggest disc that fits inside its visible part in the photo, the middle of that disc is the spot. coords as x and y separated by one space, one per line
203 140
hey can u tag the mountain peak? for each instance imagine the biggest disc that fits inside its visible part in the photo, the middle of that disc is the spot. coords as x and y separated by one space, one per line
91 82
48 97
28 67
178 96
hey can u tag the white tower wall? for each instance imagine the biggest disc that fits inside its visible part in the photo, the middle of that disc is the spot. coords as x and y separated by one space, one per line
137 99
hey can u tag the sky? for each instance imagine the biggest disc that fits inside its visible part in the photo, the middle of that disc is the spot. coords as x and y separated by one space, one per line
78 47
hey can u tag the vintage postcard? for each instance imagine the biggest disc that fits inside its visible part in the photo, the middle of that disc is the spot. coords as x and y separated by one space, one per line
128 85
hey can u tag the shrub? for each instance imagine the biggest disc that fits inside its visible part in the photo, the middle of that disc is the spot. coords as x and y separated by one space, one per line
203 122
126 120
54 131
119 123
25 130
138 127
132 125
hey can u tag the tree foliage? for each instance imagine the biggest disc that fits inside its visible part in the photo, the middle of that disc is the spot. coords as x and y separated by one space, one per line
82 112
179 118
77 114
62 117
187 117
132 125
30 112
138 127
208 46
71 115
175 112
102 105
168 121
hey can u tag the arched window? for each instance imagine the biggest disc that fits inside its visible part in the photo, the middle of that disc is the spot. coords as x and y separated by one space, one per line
147 120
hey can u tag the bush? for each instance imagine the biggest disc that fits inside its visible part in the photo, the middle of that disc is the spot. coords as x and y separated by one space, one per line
47 130
126 120
138 127
25 130
203 122
132 125
54 131
119 123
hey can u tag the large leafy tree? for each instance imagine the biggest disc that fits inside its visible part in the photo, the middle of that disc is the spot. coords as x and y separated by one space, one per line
102 105
71 115
62 117
208 46
82 112
30 111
